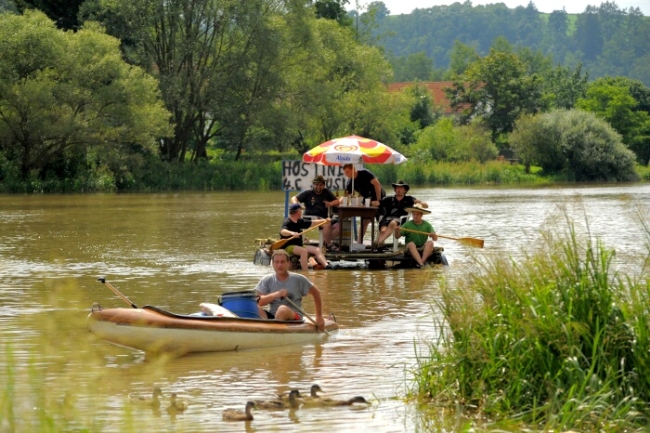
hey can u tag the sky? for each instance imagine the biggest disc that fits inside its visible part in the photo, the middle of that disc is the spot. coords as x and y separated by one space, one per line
397 7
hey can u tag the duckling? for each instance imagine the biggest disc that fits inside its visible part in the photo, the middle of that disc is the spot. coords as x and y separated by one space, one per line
238 415
331 402
280 403
176 405
149 400
313 393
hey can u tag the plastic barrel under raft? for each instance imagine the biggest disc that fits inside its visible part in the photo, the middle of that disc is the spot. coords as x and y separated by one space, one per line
262 257
346 227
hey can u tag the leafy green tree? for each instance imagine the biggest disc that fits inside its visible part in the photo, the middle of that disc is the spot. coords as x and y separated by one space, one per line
563 86
497 89
461 57
446 142
70 97
574 142
417 67
219 63
612 100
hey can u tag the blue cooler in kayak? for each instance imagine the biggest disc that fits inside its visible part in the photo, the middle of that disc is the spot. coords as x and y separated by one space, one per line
243 304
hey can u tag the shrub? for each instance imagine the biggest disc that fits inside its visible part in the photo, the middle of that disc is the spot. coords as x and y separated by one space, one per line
575 142
445 142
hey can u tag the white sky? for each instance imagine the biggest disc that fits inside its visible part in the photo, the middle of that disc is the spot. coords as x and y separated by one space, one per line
397 7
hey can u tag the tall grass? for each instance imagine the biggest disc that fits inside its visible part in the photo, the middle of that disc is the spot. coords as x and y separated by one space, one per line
559 341
458 173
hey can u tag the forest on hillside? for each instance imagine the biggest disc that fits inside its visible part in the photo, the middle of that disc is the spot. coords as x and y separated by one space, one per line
606 40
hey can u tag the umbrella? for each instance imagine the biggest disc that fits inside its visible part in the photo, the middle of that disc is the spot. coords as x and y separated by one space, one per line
352 150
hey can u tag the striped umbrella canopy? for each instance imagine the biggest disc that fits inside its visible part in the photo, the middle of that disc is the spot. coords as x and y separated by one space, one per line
353 150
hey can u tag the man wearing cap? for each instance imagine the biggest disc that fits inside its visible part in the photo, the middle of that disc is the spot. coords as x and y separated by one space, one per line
417 240
291 228
393 207
318 200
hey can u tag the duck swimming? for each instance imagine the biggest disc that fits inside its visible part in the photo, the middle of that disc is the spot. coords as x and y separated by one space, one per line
281 403
313 393
176 405
238 415
149 400
332 402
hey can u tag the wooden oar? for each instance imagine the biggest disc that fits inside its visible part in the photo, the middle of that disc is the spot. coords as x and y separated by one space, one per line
301 311
117 292
474 242
281 242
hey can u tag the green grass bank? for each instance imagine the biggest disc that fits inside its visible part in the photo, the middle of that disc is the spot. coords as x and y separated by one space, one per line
559 341
264 172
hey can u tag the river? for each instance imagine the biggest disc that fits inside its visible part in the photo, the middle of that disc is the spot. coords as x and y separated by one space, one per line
176 250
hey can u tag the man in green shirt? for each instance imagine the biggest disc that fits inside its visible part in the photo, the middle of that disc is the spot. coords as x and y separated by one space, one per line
417 233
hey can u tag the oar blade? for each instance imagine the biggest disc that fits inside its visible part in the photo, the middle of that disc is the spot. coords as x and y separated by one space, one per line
472 242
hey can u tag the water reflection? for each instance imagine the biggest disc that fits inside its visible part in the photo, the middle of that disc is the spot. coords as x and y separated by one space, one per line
178 250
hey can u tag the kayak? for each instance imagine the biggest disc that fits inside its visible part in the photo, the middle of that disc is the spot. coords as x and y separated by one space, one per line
154 330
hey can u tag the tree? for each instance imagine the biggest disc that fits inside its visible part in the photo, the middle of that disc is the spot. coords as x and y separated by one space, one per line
612 100
219 63
70 97
337 88
62 12
332 10
574 142
418 67
563 86
588 34
422 112
461 57
497 89
446 142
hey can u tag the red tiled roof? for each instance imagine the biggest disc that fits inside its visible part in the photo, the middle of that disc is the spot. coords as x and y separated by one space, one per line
437 89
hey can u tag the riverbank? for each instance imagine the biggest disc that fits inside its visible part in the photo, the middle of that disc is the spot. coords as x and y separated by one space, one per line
557 342
264 172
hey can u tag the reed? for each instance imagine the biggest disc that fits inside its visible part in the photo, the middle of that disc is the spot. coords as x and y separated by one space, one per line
558 341
458 173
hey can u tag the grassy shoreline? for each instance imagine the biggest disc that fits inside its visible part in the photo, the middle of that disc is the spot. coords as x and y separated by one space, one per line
262 173
555 342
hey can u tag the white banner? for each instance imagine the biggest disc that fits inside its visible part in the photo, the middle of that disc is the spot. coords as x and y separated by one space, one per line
297 176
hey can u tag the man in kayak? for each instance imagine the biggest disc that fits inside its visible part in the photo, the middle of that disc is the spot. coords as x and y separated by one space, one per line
275 287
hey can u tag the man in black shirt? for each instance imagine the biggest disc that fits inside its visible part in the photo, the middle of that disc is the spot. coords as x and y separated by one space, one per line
291 229
318 201
367 185
393 208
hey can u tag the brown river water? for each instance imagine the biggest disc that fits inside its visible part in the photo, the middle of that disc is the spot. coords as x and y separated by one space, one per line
177 250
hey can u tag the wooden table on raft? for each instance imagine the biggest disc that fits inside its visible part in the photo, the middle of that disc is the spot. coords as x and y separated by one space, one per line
356 211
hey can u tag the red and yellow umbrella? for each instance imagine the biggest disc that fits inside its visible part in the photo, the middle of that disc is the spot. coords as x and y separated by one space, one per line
352 150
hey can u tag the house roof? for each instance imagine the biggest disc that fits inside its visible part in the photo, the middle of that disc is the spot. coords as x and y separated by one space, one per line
437 89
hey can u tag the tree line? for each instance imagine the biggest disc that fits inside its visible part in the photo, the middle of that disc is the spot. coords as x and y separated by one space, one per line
117 94
605 39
